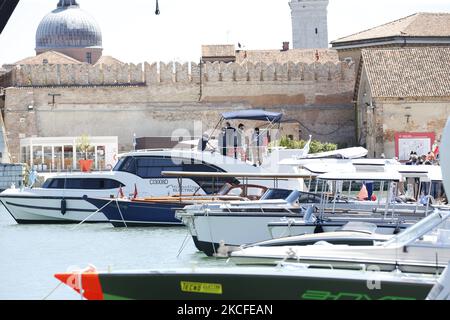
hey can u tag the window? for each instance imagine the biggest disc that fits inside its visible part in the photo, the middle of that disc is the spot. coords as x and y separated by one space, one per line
53 184
317 31
151 168
47 159
276 194
68 157
128 164
37 158
58 154
309 198
101 154
82 184
89 57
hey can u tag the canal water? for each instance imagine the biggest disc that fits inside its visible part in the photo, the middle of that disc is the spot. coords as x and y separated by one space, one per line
30 255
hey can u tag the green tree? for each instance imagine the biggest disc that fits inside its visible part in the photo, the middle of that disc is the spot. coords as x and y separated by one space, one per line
84 144
315 147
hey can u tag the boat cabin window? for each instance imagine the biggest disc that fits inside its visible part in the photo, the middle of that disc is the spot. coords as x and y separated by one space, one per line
309 198
81 183
252 192
148 167
276 194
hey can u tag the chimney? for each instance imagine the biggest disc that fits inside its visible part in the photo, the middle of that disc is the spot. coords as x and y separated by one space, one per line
285 46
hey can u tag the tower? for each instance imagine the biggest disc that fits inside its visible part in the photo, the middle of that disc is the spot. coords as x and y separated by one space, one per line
309 23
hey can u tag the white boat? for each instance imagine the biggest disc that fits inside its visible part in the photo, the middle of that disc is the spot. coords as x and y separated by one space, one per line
353 234
60 200
235 223
422 248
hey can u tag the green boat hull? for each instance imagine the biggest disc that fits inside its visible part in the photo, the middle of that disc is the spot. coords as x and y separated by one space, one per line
251 286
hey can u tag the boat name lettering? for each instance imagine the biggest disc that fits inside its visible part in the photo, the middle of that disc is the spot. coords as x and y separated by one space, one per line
326 295
159 181
185 189
199 287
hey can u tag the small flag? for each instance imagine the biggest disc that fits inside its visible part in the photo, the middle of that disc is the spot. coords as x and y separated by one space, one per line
135 194
121 194
435 149
363 194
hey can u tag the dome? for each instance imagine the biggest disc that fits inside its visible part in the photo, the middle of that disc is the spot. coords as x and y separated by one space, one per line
68 26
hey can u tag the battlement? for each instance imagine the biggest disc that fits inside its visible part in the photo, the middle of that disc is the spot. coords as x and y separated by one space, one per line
176 73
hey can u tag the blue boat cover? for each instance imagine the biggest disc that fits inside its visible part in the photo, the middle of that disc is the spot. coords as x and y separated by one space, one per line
257 115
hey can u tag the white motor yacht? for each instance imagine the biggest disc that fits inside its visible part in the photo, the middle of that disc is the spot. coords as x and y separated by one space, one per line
61 198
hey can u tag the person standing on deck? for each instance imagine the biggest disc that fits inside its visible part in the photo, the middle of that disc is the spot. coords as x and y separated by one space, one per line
230 136
256 147
242 143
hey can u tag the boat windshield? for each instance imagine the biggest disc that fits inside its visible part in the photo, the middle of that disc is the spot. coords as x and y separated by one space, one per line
276 194
420 229
119 164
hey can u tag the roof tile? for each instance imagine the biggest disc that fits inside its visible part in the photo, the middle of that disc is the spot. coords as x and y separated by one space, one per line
416 25
410 72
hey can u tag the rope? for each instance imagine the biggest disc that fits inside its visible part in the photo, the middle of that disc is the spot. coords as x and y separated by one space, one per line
183 244
51 292
210 231
288 231
120 211
74 228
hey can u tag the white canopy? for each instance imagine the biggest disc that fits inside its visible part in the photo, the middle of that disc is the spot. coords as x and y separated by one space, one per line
361 176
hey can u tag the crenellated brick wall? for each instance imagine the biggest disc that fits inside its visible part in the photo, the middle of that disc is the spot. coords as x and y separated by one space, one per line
169 73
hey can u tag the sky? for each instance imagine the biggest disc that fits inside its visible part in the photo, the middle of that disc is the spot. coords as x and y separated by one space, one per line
133 33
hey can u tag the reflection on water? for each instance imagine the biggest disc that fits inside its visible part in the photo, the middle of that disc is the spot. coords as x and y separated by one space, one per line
31 255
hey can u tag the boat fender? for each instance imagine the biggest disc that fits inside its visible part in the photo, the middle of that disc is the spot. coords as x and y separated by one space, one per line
318 229
63 206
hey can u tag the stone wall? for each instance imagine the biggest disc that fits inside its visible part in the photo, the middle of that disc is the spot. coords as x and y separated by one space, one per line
409 116
130 74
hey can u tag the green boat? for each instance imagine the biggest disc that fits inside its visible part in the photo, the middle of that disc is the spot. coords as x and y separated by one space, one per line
280 283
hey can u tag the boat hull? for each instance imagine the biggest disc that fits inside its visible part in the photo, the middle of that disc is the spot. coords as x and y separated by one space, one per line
51 210
126 213
209 231
249 285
